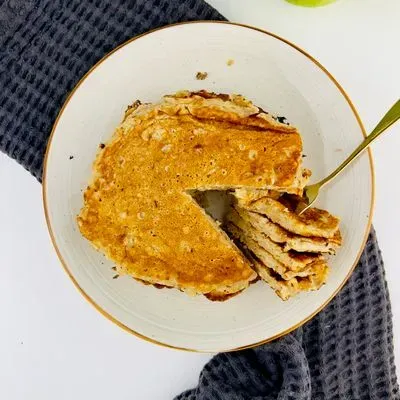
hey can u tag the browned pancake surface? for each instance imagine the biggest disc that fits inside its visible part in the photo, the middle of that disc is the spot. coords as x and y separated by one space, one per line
312 223
137 209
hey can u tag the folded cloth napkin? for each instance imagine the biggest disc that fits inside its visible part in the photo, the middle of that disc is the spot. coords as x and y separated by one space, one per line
345 352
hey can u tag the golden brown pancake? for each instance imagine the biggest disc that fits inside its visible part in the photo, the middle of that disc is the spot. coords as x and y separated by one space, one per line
138 210
244 238
288 240
289 288
313 222
292 260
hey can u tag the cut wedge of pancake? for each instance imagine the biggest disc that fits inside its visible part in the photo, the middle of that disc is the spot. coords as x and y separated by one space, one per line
289 288
265 257
138 210
292 260
313 222
290 241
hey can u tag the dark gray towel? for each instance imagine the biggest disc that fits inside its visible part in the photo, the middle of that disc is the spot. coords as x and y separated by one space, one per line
345 352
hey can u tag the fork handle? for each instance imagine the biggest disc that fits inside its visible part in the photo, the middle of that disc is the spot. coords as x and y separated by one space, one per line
388 120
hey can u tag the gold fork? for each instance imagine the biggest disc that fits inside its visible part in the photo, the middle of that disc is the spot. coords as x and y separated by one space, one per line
311 191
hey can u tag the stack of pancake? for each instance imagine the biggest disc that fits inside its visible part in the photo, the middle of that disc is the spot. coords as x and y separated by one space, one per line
139 207
287 250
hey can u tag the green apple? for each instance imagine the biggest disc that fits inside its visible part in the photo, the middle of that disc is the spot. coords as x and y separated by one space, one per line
310 3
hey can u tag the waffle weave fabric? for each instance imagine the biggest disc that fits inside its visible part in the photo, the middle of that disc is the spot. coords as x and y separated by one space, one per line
345 352
46 46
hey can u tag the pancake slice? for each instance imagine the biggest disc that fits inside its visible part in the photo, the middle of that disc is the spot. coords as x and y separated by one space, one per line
312 223
266 258
289 288
290 241
292 260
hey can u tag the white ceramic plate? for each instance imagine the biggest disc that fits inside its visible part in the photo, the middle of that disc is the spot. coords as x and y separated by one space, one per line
278 77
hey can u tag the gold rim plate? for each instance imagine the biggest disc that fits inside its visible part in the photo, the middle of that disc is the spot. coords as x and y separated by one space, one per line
45 201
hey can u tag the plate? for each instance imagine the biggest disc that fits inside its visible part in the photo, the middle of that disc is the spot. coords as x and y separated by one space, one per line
277 76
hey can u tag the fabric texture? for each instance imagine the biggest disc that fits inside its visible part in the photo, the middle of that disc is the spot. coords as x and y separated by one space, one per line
46 46
345 352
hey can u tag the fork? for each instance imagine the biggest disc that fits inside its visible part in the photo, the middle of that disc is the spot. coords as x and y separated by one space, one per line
311 192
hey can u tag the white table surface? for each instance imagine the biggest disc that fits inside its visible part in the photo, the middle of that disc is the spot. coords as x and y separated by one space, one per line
54 345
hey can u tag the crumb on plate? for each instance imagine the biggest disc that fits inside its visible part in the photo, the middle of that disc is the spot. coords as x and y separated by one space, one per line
200 76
